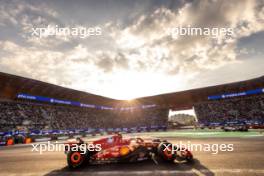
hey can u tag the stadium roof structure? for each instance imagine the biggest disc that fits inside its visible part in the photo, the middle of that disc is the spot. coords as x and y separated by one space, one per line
11 86
186 99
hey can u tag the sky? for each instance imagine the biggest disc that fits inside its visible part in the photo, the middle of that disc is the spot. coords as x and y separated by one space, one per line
134 55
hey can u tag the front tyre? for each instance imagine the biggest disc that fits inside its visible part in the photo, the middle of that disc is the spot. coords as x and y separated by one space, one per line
75 159
166 152
184 155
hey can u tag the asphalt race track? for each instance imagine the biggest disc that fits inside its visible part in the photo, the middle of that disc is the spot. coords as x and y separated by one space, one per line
246 159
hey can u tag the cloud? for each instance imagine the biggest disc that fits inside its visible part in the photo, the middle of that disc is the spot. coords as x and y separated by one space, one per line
190 53
20 12
138 45
50 66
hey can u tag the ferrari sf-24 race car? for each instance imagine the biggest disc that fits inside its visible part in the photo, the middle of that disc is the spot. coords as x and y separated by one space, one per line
116 149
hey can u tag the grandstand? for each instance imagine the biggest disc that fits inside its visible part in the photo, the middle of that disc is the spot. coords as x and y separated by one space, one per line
248 109
28 104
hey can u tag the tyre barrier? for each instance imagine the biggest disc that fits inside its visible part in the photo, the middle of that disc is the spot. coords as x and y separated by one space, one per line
10 142
28 140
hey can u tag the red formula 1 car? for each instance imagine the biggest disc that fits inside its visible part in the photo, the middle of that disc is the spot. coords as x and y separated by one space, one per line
114 149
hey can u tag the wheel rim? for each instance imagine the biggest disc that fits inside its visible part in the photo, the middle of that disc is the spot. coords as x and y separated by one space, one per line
76 157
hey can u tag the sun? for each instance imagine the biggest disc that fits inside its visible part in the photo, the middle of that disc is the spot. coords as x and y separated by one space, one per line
128 85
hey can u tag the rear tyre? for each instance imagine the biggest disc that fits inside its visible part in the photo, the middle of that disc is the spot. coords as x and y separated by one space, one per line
184 155
76 159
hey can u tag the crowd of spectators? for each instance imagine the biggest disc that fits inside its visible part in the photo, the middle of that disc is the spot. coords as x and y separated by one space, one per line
29 115
249 108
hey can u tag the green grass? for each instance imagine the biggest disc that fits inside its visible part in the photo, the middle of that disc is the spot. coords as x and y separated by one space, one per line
205 134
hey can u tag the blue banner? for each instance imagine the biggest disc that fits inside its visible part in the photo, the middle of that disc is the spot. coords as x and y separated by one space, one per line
73 103
230 95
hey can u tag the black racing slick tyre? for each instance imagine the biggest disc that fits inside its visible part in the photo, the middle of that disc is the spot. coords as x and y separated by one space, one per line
184 155
76 159
165 152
